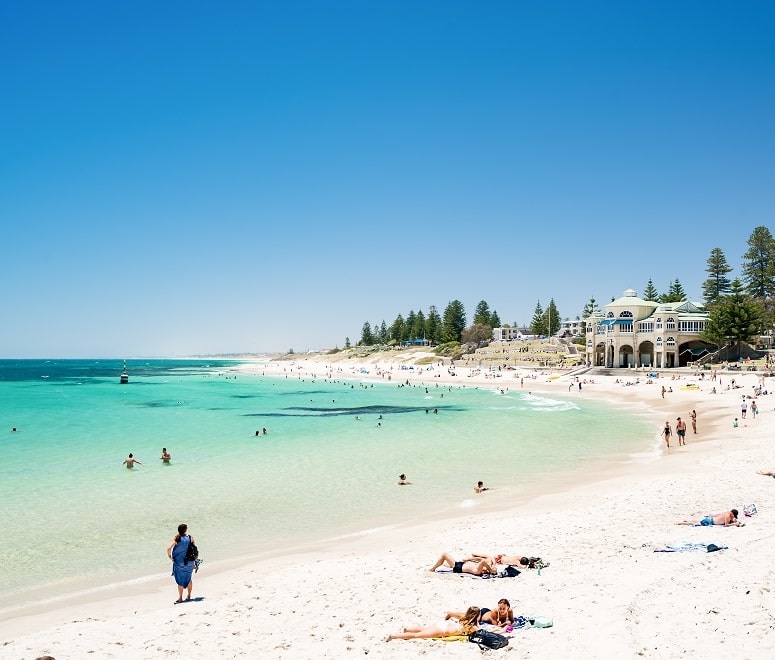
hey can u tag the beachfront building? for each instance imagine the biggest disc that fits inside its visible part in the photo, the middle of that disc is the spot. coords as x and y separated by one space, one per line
570 328
632 332
512 334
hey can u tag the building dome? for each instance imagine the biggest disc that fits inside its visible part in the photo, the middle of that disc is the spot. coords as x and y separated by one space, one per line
630 293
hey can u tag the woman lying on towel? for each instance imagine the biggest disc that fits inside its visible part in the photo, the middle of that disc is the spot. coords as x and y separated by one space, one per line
473 565
451 625
501 616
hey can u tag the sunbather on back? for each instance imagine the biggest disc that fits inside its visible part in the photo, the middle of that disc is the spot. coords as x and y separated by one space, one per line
472 565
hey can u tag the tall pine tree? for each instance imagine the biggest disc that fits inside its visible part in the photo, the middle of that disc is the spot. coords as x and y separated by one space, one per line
553 320
759 264
482 313
433 326
717 284
538 324
454 321
650 292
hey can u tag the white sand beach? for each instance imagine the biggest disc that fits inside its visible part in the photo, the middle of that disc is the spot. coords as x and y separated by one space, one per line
608 593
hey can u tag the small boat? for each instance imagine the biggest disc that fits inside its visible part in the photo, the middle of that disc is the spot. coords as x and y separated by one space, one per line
124 375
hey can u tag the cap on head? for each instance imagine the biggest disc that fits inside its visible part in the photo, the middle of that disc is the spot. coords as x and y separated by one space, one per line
734 512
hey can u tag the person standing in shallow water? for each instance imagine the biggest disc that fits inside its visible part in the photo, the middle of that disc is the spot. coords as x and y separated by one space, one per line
165 456
680 429
667 432
130 461
182 571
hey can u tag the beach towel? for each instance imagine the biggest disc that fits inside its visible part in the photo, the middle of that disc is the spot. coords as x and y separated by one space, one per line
520 623
181 570
749 510
486 576
540 621
688 546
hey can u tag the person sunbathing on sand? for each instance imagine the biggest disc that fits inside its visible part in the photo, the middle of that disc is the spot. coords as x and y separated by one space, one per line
725 519
451 625
472 565
523 561
501 616
768 473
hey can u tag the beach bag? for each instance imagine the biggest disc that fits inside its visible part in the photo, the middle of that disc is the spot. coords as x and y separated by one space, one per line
192 553
510 571
488 640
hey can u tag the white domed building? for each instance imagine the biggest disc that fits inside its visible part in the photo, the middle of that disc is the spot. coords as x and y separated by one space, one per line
632 332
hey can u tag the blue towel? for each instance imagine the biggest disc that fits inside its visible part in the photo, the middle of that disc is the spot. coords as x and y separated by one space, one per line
180 570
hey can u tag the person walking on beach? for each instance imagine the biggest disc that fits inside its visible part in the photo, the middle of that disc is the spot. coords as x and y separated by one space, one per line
680 429
754 409
165 456
663 391
130 461
743 408
667 432
181 569
694 421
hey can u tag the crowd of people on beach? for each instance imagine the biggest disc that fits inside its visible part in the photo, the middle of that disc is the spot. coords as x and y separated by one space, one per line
463 623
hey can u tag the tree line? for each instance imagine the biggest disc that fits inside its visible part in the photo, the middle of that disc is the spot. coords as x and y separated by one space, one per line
432 327
739 308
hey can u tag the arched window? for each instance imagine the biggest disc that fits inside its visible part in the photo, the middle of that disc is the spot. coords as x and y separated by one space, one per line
625 315
610 315
670 341
659 323
659 341
670 324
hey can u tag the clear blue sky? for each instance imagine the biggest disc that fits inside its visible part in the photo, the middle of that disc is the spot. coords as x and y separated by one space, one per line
185 177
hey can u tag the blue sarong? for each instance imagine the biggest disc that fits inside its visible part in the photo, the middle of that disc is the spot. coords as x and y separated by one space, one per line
180 570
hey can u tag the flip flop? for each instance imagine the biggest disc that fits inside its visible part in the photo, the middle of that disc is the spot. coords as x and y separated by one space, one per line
177 601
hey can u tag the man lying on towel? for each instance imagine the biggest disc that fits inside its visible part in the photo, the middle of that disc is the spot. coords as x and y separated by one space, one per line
725 519
472 565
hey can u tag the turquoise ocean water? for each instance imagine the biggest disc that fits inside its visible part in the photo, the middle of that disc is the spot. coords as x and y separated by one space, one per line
75 519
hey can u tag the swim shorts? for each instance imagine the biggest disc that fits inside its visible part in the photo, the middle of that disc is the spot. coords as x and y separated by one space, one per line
707 521
458 567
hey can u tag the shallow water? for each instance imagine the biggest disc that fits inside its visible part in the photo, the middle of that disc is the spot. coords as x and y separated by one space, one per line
74 518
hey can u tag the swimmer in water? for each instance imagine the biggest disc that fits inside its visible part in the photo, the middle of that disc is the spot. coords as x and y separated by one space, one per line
130 461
